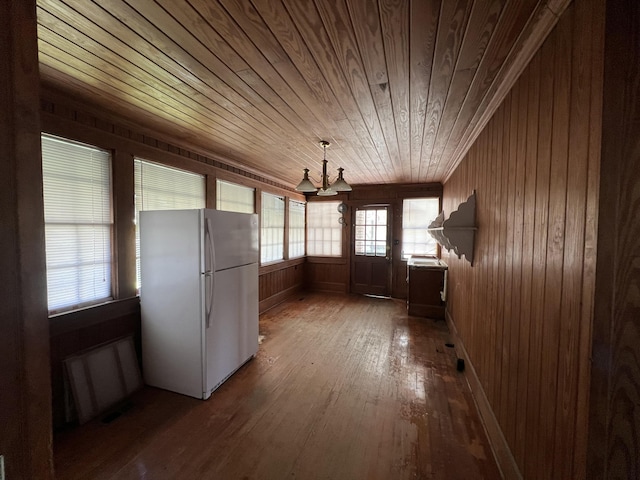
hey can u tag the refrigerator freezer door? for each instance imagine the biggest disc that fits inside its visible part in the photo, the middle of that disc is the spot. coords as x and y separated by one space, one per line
235 238
171 300
232 337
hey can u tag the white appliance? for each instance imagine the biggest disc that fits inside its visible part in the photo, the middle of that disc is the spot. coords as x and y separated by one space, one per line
199 297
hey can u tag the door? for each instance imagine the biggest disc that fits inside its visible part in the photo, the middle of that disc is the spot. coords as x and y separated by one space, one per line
234 238
171 300
371 255
231 328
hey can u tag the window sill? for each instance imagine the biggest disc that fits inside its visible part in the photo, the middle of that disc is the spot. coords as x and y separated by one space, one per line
75 319
426 255
280 265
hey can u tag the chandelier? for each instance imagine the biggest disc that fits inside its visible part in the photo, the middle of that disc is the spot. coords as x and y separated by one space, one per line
327 188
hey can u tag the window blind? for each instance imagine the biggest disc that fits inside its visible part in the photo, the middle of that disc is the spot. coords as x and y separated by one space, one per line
234 198
417 214
296 229
158 187
272 228
78 223
324 231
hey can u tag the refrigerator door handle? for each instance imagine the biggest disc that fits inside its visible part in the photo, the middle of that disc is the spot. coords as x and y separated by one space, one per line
208 278
209 272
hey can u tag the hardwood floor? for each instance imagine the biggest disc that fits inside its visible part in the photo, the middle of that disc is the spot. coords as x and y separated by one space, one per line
343 387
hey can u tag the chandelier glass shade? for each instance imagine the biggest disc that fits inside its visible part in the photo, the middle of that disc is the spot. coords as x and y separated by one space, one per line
327 189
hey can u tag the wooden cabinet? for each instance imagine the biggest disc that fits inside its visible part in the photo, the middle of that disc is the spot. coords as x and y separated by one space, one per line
426 279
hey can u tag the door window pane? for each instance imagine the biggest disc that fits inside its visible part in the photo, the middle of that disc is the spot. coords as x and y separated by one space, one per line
371 232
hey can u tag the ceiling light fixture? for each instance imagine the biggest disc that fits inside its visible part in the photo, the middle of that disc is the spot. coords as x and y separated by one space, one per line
327 189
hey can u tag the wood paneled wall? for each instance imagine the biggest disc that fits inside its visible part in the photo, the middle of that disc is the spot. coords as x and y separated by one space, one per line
277 282
25 396
614 444
523 311
328 275
77 331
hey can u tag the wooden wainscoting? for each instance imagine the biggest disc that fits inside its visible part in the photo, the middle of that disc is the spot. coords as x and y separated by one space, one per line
327 274
343 387
279 281
524 309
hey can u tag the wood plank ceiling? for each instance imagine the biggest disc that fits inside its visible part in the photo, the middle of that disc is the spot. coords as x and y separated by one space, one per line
400 88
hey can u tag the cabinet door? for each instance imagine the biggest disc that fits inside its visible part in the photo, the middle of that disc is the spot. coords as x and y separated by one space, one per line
425 285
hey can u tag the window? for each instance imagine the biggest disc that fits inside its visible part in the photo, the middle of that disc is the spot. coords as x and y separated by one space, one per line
272 229
324 230
417 214
163 188
78 223
296 229
234 198
371 232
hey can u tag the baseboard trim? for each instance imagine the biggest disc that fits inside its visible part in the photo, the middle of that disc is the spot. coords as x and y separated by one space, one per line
501 451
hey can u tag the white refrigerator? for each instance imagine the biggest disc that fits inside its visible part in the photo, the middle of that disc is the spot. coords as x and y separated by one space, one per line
198 297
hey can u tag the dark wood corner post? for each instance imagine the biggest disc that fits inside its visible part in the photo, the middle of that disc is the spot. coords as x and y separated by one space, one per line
25 391
614 401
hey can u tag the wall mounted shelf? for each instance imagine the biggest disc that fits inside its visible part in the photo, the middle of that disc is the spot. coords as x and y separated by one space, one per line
457 233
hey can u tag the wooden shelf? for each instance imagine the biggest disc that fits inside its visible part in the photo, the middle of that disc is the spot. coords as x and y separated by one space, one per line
457 233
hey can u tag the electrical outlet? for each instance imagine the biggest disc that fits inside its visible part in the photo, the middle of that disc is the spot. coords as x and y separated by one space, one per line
1 467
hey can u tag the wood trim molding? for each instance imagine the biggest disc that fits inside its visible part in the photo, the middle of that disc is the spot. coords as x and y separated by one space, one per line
389 192
281 265
25 395
541 23
93 315
504 458
327 260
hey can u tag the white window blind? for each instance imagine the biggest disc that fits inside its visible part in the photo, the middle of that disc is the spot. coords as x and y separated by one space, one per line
272 228
234 198
324 231
296 229
163 188
417 214
78 223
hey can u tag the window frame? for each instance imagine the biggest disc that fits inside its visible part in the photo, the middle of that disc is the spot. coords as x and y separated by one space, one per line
337 229
220 181
302 228
375 231
436 251
267 226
